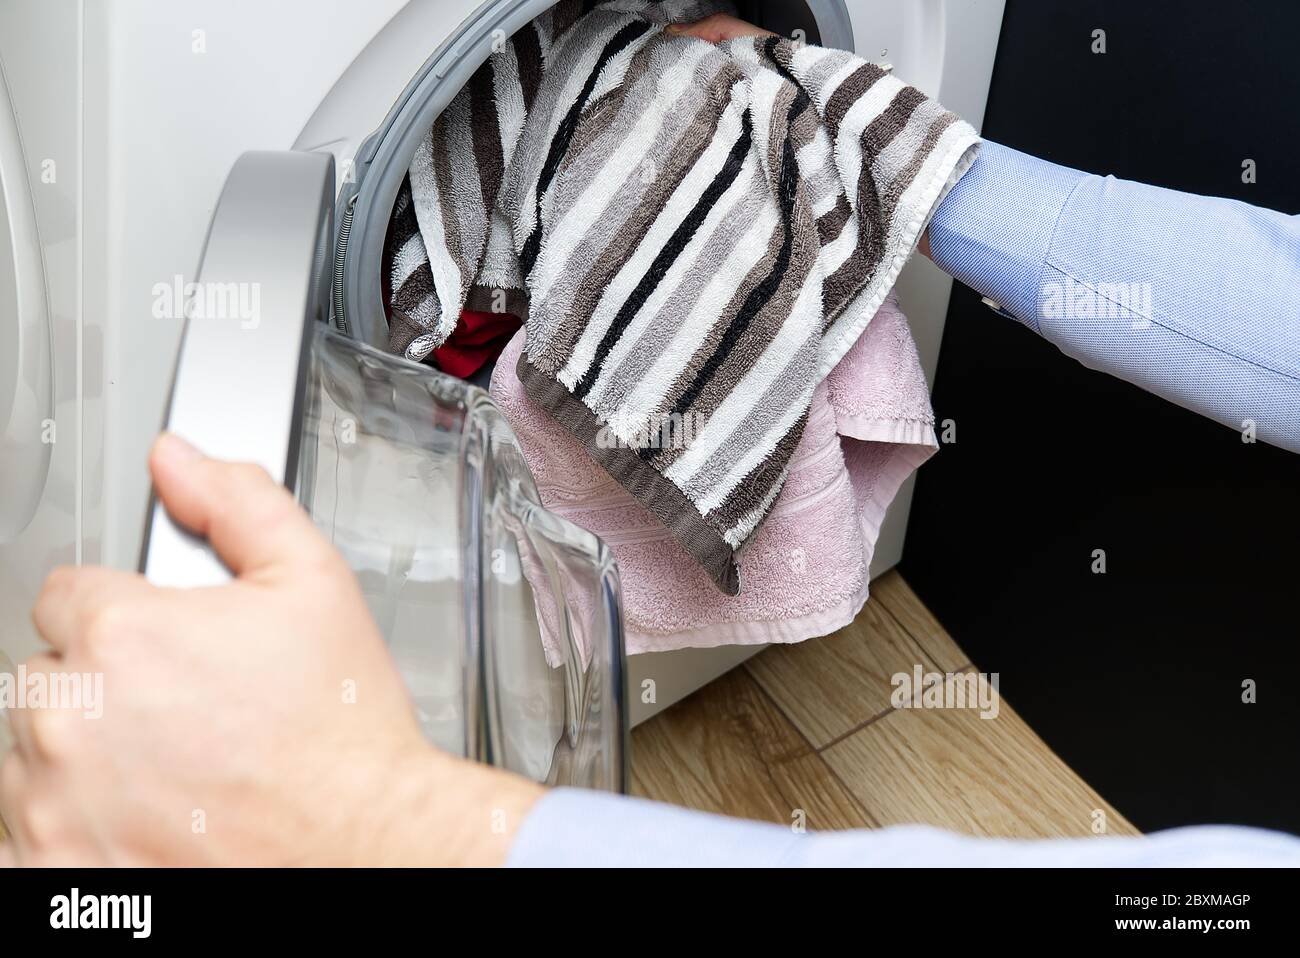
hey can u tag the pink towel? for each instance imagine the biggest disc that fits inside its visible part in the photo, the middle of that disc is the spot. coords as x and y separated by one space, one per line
805 571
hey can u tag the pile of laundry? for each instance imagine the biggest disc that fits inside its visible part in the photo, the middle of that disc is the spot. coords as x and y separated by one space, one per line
700 243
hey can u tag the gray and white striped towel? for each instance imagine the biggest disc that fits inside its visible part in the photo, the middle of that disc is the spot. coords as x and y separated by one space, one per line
695 234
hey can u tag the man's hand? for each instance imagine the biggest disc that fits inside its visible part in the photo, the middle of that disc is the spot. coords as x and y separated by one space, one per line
259 722
718 28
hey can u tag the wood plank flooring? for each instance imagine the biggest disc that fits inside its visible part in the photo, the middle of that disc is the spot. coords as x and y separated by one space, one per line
809 731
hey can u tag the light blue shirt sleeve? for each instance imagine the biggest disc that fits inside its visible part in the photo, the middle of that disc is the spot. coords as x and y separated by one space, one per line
570 827
1193 298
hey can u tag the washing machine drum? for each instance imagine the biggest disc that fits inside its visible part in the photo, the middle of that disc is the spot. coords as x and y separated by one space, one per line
376 171
503 618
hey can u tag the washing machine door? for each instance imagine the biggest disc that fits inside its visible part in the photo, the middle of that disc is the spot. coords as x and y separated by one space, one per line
239 382
505 620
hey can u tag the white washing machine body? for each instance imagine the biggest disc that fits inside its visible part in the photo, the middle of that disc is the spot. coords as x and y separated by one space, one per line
119 122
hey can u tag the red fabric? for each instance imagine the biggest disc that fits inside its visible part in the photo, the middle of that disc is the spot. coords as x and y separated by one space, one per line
477 340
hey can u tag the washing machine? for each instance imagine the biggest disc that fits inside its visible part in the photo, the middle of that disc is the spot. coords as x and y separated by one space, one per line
120 123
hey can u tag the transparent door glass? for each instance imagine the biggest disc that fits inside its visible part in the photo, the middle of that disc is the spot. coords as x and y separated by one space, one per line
503 618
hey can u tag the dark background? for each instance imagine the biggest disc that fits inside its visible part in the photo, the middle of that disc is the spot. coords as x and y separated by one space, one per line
1133 677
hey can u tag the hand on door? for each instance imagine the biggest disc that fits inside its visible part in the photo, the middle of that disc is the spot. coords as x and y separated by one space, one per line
261 721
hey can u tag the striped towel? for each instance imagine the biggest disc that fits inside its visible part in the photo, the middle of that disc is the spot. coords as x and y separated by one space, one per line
695 234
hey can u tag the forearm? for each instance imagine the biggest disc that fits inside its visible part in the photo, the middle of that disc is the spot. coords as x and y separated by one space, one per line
1192 298
446 811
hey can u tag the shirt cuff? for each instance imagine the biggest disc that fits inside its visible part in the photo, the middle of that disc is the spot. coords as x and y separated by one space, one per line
994 230
576 828
572 827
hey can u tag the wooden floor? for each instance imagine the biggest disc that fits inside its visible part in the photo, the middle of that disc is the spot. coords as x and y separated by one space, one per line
807 732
